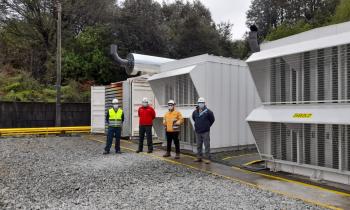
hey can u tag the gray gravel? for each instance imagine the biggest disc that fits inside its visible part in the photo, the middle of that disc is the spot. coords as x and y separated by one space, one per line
71 173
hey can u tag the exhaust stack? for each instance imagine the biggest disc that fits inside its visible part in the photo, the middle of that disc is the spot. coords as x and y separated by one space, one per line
253 39
135 63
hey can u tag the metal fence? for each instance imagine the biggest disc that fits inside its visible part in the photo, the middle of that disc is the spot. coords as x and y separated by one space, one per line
37 114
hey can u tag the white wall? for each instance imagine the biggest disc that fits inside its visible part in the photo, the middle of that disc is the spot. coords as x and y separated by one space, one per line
231 95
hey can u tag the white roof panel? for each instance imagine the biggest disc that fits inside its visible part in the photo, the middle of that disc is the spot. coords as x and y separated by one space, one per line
176 72
305 46
315 114
308 35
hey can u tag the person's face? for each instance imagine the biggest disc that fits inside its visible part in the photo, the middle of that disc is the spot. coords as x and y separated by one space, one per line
171 106
144 104
201 105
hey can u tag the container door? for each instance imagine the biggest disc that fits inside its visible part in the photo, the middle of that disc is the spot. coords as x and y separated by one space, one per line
98 109
140 89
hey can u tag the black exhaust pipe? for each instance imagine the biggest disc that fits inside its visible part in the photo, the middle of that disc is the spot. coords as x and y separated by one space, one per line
127 63
253 39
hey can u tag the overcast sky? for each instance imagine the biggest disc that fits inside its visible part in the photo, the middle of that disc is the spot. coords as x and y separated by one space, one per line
228 10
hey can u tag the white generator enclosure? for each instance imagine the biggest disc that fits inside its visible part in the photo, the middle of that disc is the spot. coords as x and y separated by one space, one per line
303 81
226 85
97 109
134 90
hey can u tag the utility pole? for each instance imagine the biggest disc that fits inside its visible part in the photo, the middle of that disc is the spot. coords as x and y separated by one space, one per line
58 60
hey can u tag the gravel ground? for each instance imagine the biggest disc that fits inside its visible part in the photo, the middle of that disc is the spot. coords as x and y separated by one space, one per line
71 173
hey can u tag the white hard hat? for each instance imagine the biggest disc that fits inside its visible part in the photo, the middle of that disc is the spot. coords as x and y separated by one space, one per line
171 102
145 100
115 101
201 100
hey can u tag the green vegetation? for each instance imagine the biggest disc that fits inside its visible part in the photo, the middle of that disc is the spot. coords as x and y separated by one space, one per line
175 29
281 18
285 30
342 13
16 85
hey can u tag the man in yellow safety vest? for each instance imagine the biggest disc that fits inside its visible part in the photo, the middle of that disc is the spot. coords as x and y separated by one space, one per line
114 120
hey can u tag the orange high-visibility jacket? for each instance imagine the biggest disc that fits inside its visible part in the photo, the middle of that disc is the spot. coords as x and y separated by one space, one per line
172 120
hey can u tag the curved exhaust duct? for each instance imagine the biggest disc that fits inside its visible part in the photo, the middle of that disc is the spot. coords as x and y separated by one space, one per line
135 63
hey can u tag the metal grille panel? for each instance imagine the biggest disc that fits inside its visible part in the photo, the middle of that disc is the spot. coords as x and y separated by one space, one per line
187 134
181 89
321 76
318 144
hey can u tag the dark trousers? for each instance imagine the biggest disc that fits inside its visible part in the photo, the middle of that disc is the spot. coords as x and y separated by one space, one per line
203 138
113 132
145 129
173 136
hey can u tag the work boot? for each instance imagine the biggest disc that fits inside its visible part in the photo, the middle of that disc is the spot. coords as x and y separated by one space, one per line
149 151
198 160
138 151
167 154
105 152
177 156
118 152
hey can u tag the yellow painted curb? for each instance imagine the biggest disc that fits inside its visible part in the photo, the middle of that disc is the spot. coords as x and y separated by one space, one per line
252 162
235 156
295 182
43 130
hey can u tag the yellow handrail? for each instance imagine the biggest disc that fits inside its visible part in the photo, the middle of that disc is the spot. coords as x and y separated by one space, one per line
43 130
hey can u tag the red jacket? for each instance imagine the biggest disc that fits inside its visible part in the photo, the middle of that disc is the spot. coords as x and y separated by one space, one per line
147 115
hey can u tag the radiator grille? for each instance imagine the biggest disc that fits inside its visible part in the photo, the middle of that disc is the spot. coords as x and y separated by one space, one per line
309 77
335 146
316 144
181 89
320 75
187 134
335 71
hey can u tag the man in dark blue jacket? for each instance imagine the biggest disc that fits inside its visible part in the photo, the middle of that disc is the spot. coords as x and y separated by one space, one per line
203 119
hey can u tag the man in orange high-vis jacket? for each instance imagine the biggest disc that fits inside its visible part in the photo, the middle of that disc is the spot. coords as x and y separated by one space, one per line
172 121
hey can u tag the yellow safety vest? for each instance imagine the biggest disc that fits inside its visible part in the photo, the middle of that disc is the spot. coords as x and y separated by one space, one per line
115 118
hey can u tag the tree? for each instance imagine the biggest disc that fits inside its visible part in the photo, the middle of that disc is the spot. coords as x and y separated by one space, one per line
29 30
29 33
342 13
285 30
191 30
177 30
88 58
268 15
139 27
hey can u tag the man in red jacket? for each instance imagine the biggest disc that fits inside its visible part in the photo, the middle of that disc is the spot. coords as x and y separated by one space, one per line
146 115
